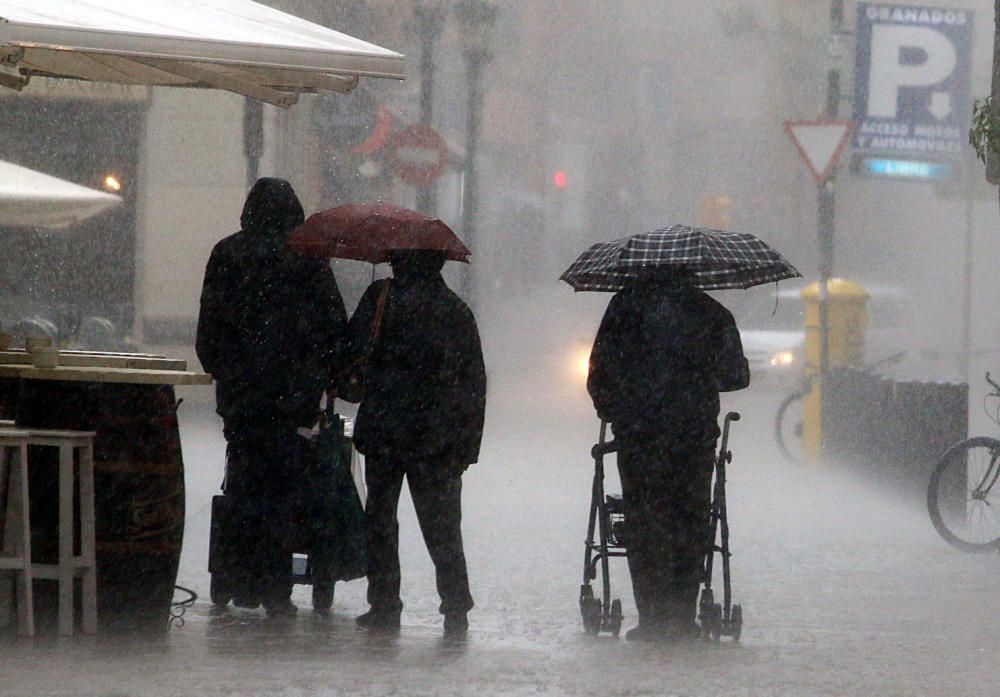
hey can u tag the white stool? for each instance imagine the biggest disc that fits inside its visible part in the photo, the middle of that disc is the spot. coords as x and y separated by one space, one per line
16 551
69 565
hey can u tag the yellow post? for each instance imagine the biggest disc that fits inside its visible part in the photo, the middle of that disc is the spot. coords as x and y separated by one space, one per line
847 319
716 213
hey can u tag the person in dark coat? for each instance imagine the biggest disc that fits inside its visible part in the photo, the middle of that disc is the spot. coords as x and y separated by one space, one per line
663 353
421 417
272 327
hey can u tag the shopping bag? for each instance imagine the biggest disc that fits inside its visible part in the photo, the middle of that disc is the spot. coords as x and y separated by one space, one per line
339 549
223 552
228 549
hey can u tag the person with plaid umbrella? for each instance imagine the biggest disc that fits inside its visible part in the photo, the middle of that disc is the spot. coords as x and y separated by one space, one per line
664 351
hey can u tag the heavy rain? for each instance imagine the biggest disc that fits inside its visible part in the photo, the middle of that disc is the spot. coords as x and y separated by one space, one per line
835 132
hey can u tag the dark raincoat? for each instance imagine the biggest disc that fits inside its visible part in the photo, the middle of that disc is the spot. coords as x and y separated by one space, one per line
425 393
421 417
663 353
272 324
271 330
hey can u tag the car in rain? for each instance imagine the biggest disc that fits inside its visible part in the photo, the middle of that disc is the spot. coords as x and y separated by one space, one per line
772 330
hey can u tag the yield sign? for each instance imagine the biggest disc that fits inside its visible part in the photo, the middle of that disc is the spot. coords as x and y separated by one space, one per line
819 143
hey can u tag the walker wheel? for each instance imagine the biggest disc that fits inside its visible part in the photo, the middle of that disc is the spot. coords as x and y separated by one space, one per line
592 616
590 610
715 629
615 621
711 621
736 622
706 611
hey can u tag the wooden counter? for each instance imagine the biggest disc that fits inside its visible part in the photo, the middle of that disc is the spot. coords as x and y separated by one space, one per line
134 376
83 366
93 359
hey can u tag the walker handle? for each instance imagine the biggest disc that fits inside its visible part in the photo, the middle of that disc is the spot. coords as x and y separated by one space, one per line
603 446
992 383
724 448
602 449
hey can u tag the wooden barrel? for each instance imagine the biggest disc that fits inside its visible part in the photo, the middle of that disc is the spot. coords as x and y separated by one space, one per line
139 491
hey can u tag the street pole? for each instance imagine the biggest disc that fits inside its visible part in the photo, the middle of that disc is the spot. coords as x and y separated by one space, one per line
477 18
826 203
812 435
470 192
966 356
253 137
429 19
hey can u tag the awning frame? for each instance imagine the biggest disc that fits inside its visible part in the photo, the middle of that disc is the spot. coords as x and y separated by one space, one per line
322 60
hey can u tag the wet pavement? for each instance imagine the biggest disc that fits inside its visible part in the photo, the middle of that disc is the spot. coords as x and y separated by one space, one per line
845 591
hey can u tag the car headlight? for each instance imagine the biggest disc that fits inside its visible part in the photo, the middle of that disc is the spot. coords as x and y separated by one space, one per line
581 364
782 359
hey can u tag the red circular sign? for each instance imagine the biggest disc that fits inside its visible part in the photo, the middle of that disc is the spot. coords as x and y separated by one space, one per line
418 154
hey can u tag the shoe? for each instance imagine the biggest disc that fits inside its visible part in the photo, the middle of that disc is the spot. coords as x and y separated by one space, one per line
645 632
456 624
246 601
379 620
681 630
283 608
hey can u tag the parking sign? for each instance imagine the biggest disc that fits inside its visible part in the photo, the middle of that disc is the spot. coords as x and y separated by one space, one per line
911 94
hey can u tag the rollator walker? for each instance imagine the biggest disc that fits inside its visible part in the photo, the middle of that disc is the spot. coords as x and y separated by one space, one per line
607 518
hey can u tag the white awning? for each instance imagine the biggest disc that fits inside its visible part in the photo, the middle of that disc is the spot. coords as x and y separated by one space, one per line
32 199
234 45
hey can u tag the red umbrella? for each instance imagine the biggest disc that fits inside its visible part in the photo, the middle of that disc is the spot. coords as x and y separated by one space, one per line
369 231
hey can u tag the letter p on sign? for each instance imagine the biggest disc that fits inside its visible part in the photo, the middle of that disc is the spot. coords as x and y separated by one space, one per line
908 56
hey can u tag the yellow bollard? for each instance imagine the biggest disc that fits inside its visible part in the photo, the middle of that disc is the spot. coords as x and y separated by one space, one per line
847 319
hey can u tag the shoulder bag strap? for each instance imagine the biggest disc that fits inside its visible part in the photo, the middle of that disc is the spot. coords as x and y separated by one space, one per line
377 321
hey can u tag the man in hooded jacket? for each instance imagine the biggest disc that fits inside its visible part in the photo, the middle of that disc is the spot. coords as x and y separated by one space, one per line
421 417
272 327
663 353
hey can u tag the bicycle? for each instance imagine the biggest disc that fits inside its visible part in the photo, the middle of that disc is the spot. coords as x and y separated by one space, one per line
784 431
962 498
788 434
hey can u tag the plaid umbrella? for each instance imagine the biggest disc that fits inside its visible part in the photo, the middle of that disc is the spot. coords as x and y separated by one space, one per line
717 259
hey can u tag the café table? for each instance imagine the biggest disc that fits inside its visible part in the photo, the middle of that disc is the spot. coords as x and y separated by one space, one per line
129 401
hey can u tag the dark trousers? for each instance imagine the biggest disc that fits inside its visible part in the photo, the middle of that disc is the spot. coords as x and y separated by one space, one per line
666 490
436 490
264 472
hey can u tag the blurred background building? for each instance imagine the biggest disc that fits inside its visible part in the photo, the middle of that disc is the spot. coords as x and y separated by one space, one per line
562 122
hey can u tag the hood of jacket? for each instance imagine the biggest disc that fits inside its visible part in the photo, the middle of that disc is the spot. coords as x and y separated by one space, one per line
272 209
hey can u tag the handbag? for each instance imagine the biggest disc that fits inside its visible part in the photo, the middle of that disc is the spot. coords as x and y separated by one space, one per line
351 386
337 526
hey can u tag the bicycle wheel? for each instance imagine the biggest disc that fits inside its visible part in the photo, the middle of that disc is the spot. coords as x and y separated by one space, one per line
788 428
963 499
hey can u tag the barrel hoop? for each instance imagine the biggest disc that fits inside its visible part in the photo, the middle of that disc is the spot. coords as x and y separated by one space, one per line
139 547
121 466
